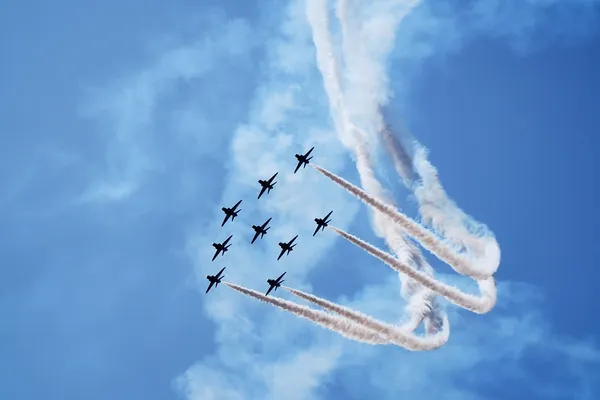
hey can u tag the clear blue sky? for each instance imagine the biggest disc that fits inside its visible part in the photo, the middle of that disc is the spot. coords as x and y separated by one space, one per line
126 126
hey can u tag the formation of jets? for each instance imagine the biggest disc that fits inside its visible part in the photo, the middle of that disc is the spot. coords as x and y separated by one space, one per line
261 230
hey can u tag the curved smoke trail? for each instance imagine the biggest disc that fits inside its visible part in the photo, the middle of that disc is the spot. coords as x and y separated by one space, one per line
354 138
466 245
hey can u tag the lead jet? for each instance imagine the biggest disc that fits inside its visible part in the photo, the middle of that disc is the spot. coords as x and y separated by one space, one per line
260 230
275 283
215 279
267 185
286 247
231 212
303 159
221 247
322 223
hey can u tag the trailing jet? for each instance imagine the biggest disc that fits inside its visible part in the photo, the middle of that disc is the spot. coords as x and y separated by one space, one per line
231 212
267 185
303 159
215 279
287 247
275 283
221 247
260 230
322 223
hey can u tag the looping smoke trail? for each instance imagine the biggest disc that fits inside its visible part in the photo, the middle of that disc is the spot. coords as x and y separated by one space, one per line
420 301
479 305
426 238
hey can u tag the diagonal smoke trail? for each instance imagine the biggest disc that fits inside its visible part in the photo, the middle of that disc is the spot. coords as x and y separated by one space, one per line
348 328
479 305
364 319
335 323
426 238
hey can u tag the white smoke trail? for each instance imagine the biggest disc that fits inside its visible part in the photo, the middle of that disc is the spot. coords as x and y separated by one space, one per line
356 140
426 238
343 326
479 305
348 328
363 319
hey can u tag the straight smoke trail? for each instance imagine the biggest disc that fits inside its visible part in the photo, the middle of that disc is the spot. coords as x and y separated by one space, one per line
459 263
347 327
334 323
373 324
479 305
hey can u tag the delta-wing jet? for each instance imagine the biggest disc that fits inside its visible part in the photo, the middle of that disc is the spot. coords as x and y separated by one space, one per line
303 159
215 279
260 230
274 283
221 247
322 223
286 247
267 185
231 212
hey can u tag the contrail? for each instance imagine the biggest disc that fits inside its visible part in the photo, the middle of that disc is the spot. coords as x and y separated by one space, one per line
427 239
479 305
335 323
367 321
356 140
347 327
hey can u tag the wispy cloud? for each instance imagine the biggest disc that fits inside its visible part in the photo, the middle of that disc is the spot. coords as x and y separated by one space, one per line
258 351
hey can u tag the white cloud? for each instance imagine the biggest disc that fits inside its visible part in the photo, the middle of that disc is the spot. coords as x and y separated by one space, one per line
261 352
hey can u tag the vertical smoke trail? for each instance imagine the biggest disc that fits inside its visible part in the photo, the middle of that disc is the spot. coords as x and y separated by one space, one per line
337 324
356 140
363 72
479 305
422 235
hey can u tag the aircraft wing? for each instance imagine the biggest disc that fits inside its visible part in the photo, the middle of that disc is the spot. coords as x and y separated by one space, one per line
262 191
317 230
210 286
225 220
220 272
281 254
255 236
328 215
308 153
280 276
273 177
236 205
292 241
269 291
266 223
227 240
216 254
298 166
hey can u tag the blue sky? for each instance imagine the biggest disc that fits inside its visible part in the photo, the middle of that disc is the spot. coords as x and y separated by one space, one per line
127 126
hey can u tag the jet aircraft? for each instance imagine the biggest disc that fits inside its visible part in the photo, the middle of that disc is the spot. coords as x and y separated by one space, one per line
322 223
260 230
286 247
215 279
274 283
267 185
221 247
303 159
231 212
